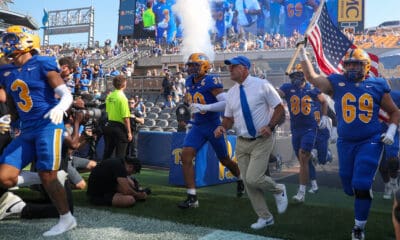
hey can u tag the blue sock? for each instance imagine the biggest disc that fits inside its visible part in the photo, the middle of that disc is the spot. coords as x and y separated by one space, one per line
361 208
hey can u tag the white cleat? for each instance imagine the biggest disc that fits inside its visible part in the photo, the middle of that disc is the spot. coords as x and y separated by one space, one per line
61 227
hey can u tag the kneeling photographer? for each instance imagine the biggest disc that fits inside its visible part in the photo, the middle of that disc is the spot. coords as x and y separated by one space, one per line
110 183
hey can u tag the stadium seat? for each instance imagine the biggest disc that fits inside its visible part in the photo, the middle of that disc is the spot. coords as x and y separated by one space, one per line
152 115
166 110
164 116
143 128
156 109
170 129
160 104
149 122
156 128
162 123
149 104
173 123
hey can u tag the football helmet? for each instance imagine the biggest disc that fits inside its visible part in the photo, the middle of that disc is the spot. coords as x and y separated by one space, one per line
19 39
297 76
198 64
359 56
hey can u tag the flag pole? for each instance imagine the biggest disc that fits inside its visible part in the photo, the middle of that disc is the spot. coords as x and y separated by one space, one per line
312 22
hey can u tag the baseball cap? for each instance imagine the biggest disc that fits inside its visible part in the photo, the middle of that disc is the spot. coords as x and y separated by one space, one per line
239 60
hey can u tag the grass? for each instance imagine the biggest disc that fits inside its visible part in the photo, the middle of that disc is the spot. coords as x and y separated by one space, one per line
326 215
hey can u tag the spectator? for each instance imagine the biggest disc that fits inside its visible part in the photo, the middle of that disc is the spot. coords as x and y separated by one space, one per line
137 119
139 105
169 104
167 85
110 183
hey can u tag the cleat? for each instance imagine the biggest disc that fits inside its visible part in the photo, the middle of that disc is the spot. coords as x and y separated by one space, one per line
357 233
262 223
239 188
299 197
8 203
387 194
61 228
313 190
190 202
281 199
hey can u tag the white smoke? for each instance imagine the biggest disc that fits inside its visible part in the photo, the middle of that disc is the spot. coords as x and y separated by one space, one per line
197 22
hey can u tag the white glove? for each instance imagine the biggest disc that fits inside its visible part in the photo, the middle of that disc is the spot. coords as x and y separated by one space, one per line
56 115
334 136
163 24
197 107
302 53
324 122
388 137
5 123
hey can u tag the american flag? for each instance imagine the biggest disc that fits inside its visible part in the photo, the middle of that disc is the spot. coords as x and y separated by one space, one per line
330 45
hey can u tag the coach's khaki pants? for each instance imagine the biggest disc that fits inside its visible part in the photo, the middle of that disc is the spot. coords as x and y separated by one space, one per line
253 159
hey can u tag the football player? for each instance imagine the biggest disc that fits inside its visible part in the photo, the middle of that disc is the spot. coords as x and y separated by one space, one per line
305 104
207 98
358 98
32 82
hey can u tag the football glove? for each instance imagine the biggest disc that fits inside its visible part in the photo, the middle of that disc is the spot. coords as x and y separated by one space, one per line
334 136
388 136
196 107
56 115
324 122
5 123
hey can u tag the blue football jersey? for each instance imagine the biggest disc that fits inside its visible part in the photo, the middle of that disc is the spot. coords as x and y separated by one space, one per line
200 92
357 106
29 87
303 108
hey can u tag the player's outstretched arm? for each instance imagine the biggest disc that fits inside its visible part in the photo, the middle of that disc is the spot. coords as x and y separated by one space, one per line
317 80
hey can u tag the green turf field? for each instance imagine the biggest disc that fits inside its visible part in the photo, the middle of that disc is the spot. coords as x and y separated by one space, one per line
325 215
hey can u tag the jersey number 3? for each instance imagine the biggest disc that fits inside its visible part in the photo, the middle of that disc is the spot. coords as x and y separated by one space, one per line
350 104
26 101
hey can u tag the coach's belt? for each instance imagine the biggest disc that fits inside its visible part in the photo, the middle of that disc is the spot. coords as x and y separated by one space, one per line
250 139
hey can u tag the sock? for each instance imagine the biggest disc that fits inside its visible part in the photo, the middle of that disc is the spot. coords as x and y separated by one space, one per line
393 181
360 224
191 191
361 209
302 188
27 178
65 217
314 184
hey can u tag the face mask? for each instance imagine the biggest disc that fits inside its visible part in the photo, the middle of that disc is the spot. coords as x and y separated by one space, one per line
297 79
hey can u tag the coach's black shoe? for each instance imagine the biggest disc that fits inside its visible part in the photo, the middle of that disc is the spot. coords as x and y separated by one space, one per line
190 202
240 188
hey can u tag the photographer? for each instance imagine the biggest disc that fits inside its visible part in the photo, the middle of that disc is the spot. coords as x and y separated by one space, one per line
117 130
137 118
110 183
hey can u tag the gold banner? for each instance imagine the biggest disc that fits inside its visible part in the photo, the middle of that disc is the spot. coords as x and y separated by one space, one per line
350 10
